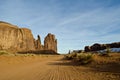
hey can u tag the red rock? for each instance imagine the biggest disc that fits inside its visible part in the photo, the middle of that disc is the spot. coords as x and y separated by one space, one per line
16 39
50 43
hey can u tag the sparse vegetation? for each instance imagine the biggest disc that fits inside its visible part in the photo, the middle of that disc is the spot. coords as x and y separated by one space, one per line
81 58
87 58
106 53
71 56
108 50
84 58
81 65
3 52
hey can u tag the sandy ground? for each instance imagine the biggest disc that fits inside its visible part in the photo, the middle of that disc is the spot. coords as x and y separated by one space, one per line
52 68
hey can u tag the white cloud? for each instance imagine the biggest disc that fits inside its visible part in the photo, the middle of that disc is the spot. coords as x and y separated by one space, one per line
74 25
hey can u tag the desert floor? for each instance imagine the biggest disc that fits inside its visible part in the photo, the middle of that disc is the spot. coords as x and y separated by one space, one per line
53 67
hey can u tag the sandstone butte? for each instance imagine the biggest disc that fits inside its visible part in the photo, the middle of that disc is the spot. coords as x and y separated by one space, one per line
13 38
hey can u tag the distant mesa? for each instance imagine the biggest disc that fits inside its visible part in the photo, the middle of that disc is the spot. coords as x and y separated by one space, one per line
97 46
13 38
114 47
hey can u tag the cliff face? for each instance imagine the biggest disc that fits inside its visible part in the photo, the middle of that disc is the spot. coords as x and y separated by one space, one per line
14 38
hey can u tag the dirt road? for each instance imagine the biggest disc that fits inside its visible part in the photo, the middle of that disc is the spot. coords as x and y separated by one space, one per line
49 68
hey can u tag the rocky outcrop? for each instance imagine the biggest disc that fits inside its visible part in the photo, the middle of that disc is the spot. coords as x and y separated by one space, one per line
87 49
50 43
38 45
14 38
17 39
97 47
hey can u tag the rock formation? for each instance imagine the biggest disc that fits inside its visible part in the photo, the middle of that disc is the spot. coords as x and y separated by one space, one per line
87 49
97 47
50 43
16 39
38 45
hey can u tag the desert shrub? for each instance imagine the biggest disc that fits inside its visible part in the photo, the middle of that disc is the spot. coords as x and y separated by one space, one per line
108 50
81 58
70 56
74 55
3 52
106 53
84 58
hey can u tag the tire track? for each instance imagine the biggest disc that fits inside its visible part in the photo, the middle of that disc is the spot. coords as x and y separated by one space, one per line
53 69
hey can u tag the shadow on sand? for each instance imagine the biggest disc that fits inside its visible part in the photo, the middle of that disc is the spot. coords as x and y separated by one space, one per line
109 67
63 62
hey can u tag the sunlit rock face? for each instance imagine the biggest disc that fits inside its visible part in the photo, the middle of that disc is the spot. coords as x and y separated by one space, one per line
15 38
50 43
38 45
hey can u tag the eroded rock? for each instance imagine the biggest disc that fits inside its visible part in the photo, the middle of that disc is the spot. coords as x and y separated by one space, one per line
50 43
16 39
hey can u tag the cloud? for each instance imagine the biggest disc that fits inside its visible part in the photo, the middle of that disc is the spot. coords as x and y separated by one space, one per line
75 23
100 25
95 20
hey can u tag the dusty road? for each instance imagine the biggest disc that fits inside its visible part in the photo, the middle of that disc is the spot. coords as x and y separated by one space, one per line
49 68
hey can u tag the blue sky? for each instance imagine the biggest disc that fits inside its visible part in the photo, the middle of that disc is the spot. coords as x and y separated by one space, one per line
76 23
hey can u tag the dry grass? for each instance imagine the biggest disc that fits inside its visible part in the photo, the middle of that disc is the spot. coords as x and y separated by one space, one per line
3 52
86 58
81 58
112 58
